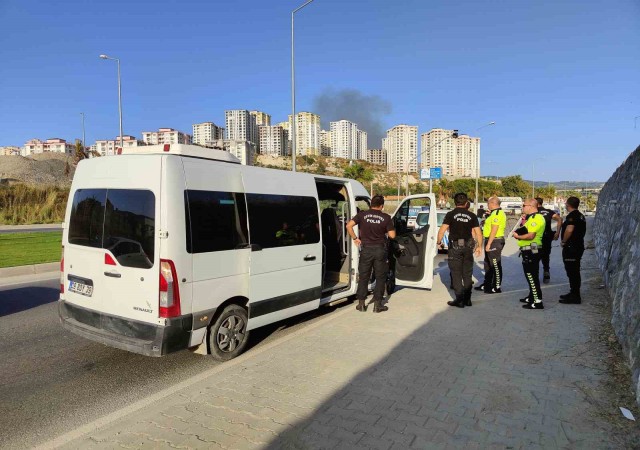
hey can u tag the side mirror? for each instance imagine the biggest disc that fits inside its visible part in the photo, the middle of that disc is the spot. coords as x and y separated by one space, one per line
422 220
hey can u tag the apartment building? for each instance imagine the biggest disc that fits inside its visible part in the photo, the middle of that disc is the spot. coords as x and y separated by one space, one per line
325 143
165 136
57 145
307 133
376 156
10 150
110 147
241 126
273 140
458 157
401 148
245 151
347 141
206 131
362 144
261 118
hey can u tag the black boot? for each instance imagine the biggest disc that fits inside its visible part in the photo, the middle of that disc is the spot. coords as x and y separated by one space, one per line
546 277
378 307
458 302
566 296
479 287
534 305
571 299
525 300
467 298
361 306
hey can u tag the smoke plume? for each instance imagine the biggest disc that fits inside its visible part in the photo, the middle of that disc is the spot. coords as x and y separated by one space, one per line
351 104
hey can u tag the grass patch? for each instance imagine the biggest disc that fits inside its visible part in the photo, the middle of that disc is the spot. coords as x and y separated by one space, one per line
25 204
20 249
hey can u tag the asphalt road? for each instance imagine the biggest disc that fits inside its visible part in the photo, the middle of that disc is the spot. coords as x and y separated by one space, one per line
39 230
52 381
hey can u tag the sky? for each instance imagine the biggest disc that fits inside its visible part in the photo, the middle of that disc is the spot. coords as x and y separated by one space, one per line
561 79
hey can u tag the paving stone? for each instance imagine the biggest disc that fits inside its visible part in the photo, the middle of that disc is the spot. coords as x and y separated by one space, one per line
420 376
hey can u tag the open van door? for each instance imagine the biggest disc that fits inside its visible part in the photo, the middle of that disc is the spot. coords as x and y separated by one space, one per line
415 247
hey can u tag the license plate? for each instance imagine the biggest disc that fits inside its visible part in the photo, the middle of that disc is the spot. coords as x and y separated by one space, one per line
80 288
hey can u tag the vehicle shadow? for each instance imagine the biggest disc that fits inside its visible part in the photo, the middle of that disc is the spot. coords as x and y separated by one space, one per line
258 335
16 300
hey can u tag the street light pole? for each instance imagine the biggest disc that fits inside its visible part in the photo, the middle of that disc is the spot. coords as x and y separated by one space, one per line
293 92
119 95
83 144
475 203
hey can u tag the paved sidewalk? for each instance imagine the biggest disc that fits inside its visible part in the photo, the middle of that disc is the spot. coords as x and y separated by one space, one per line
422 375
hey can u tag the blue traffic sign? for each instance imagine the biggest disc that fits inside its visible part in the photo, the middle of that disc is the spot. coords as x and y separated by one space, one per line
435 173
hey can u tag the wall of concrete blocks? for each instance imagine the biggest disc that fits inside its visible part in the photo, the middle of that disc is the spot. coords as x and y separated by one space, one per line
617 241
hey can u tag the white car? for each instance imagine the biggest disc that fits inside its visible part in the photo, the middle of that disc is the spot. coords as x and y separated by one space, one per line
423 218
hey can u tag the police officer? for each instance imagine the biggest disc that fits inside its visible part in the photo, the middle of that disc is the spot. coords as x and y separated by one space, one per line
548 237
372 226
464 237
493 233
529 238
481 212
573 231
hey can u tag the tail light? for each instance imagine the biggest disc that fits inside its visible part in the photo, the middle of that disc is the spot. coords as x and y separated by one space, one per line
169 299
62 271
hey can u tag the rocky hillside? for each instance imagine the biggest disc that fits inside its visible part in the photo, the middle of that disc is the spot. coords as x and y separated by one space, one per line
42 169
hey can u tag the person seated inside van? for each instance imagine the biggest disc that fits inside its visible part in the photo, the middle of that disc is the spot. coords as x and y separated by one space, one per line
285 236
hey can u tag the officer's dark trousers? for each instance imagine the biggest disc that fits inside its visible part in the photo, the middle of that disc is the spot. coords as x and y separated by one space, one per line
461 267
531 267
545 252
372 257
571 257
493 264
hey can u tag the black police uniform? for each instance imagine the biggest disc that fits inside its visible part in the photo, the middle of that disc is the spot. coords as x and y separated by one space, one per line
461 245
373 225
547 239
573 250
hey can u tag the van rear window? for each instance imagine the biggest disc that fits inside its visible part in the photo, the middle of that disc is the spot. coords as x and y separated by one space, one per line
119 220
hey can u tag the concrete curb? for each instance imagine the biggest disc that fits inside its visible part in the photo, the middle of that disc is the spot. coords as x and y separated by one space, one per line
29 269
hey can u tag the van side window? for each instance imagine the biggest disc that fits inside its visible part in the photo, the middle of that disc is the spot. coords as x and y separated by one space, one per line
119 220
216 221
283 220
87 217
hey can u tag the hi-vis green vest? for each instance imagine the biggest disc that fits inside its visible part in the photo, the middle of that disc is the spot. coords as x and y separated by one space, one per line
535 223
497 217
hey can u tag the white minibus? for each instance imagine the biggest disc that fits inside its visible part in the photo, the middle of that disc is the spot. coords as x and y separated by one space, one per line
169 247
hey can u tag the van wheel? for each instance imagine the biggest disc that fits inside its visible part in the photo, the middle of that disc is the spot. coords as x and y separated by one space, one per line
228 336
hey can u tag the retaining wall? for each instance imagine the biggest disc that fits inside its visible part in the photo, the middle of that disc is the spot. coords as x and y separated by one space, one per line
617 241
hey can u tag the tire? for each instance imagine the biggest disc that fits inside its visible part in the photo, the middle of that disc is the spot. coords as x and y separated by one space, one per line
228 335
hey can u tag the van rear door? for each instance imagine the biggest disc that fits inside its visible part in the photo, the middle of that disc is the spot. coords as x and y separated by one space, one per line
416 247
111 242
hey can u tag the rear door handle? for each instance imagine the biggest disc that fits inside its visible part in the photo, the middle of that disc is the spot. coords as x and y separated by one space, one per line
309 258
113 274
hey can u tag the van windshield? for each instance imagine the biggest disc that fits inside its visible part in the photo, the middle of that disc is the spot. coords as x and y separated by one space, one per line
119 220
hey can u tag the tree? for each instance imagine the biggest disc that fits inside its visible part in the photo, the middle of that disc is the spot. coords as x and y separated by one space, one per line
358 172
322 169
466 185
79 153
515 186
